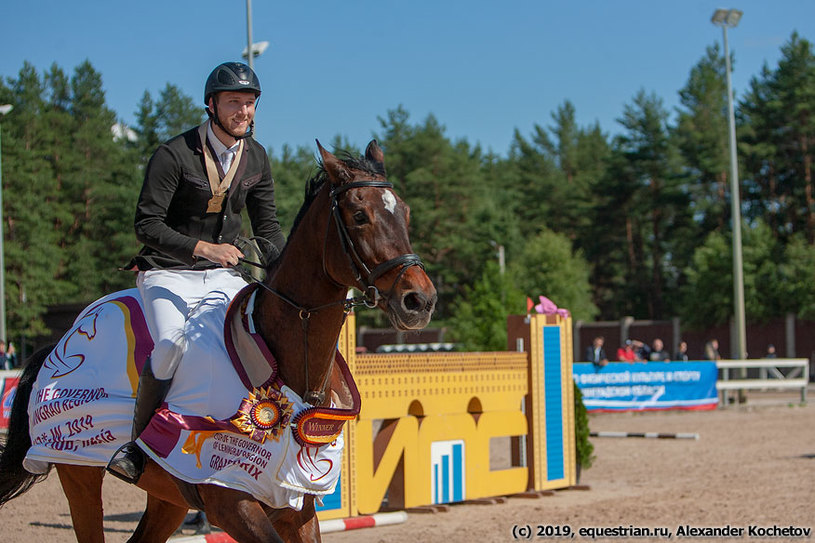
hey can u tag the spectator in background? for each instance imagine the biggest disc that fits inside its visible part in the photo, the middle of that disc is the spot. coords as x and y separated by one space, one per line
626 352
11 356
4 359
658 352
642 350
596 354
682 354
712 350
771 351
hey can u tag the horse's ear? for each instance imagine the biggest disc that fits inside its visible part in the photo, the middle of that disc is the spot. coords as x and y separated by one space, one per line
334 167
374 152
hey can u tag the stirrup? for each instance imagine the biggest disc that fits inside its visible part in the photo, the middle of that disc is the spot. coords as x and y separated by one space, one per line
127 463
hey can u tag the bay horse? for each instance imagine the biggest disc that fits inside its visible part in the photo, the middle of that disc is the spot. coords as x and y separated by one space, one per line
352 231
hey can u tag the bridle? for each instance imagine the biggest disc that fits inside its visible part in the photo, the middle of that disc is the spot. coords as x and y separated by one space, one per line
364 276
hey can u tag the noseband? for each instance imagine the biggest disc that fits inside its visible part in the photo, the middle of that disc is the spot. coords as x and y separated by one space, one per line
365 277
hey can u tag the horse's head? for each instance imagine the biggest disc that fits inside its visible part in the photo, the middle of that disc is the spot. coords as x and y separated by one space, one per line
368 246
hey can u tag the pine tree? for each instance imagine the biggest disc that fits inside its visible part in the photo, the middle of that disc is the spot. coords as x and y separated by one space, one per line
779 140
703 140
657 200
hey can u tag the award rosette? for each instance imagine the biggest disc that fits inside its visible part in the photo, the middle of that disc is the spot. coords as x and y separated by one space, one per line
264 414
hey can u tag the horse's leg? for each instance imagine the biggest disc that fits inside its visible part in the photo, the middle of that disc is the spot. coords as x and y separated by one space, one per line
298 526
159 522
82 486
238 514
157 482
166 506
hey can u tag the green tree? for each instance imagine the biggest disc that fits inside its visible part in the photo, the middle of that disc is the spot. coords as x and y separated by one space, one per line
97 196
176 112
147 130
548 266
779 137
479 320
538 185
32 253
445 186
291 170
797 283
708 294
702 138
657 203
70 190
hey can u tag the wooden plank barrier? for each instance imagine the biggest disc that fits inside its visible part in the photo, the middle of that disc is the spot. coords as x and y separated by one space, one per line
423 435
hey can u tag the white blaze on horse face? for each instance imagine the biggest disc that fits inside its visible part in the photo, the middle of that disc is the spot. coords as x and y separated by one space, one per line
389 200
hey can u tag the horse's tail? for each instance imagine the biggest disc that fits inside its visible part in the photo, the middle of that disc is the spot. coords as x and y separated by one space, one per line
14 479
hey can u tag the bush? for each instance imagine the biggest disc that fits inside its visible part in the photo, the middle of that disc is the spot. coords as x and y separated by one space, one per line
583 447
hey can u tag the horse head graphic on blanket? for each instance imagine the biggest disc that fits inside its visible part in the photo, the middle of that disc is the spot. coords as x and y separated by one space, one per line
68 354
112 318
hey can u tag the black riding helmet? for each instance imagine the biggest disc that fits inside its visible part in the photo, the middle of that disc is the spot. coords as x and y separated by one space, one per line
230 76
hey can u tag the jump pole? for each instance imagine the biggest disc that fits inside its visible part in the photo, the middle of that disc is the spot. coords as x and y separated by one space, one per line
326 526
645 435
366 521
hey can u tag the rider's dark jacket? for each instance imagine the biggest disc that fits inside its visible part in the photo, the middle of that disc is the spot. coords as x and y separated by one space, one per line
171 215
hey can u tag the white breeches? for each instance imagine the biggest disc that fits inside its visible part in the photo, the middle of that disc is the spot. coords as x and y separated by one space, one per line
169 296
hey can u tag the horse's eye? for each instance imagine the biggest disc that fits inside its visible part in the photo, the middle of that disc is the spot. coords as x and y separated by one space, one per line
360 217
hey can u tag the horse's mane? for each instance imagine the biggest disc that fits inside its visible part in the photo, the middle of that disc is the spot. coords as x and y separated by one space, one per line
315 184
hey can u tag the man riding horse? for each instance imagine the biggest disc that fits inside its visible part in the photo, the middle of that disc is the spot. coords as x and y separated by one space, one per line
189 216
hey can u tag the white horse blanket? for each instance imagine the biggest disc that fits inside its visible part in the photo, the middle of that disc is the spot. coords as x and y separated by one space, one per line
227 420
81 406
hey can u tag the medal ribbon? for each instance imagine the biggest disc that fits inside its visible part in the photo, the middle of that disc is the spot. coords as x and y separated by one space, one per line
217 185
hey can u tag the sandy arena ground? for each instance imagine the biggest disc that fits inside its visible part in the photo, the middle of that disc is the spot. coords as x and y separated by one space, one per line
753 465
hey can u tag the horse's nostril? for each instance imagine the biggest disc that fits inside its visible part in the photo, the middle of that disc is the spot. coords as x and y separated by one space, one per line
412 301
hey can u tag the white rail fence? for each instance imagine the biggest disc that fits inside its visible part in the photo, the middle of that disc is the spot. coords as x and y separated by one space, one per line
770 376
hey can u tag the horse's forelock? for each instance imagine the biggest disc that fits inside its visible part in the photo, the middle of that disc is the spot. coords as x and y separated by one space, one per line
362 164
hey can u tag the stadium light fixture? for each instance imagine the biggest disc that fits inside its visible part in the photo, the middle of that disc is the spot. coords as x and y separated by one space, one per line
257 49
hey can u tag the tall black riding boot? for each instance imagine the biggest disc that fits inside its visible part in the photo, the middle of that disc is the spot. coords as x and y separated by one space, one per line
128 462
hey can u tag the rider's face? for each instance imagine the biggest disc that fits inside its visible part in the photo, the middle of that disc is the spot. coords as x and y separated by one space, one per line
236 110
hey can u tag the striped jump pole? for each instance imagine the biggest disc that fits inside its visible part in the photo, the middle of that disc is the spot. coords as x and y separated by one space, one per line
646 435
367 521
326 526
215 537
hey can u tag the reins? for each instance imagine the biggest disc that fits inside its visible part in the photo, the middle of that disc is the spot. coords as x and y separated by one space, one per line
365 278
314 397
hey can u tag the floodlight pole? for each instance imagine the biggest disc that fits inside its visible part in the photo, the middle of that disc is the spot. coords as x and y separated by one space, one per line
249 55
3 110
725 19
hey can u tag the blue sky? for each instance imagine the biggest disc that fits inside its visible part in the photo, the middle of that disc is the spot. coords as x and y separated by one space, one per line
483 68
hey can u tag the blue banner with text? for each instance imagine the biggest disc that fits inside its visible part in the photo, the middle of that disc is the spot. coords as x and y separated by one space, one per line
647 385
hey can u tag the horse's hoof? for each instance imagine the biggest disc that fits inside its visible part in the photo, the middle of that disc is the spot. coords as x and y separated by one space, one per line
127 463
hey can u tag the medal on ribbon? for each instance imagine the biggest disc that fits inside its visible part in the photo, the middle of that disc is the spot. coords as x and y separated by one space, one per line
217 185
264 414
216 203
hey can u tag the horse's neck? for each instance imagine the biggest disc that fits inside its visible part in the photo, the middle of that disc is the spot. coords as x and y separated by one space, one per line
290 337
